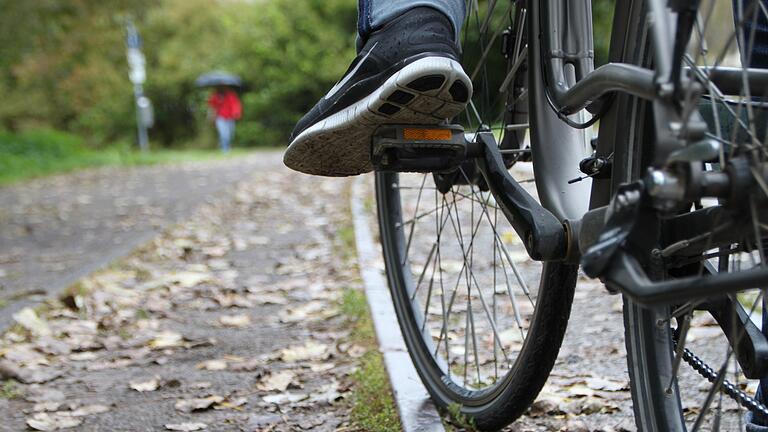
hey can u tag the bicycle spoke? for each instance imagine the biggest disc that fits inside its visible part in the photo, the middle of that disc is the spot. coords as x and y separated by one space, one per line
413 226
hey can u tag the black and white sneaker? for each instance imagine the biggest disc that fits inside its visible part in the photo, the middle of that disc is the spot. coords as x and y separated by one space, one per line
407 72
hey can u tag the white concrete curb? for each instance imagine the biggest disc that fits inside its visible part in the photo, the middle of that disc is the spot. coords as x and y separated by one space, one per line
416 410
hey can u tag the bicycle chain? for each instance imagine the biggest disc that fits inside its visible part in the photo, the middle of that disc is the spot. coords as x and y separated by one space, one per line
729 389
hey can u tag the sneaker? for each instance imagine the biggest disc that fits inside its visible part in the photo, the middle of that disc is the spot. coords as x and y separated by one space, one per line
407 73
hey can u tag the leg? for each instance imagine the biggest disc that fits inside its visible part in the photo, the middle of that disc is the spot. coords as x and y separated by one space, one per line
223 130
232 124
374 14
756 22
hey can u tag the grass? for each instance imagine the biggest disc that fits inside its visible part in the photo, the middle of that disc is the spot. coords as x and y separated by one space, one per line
347 238
373 406
459 420
42 152
10 390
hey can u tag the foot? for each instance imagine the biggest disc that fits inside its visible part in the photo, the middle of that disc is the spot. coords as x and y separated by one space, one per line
407 72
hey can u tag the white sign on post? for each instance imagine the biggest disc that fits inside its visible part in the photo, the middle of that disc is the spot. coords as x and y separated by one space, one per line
136 61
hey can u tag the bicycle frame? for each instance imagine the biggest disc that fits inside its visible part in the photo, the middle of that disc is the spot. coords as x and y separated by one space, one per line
562 73
567 78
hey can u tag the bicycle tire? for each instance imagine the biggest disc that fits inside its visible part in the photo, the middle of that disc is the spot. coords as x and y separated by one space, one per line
649 362
505 399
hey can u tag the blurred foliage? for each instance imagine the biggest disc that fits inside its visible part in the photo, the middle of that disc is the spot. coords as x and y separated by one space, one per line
602 22
63 66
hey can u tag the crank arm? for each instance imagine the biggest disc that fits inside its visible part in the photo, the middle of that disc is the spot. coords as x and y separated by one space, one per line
543 235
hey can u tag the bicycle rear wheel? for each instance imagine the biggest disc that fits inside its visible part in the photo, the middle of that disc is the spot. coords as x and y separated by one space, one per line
482 322
668 394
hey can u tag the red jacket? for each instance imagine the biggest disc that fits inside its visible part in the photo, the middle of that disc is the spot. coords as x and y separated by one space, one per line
227 105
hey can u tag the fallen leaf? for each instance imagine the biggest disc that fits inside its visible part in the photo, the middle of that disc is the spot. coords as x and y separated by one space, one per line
356 351
145 386
598 383
327 393
310 423
212 365
43 421
544 406
249 365
269 298
39 375
87 410
166 339
185 426
593 405
78 327
321 367
231 403
278 381
43 394
510 237
83 356
46 406
24 355
579 389
115 364
231 299
283 398
303 312
575 425
235 320
52 346
189 279
28 319
189 405
309 351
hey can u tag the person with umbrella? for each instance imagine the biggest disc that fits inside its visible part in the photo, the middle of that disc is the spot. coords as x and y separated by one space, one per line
223 104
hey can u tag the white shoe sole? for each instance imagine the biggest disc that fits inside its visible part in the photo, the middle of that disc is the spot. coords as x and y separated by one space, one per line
427 91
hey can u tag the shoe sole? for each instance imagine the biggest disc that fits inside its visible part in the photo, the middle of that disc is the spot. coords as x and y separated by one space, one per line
427 91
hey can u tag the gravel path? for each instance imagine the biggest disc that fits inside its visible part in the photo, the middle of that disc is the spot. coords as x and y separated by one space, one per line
58 229
228 321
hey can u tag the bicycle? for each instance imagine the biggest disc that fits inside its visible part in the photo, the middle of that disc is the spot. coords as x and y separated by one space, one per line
666 205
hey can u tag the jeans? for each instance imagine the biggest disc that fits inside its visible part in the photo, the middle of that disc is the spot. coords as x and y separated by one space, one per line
374 14
226 129
758 56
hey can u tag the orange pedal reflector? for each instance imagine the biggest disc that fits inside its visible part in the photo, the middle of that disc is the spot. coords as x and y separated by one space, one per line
427 134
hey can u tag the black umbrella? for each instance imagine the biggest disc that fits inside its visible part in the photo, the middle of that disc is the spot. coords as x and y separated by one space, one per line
218 78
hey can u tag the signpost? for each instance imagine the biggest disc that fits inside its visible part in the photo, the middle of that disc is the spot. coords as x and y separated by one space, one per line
138 75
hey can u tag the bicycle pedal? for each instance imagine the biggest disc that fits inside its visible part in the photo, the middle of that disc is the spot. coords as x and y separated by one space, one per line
416 148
